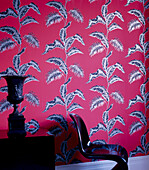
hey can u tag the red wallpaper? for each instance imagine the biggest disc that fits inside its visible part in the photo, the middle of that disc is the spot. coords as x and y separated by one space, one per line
88 57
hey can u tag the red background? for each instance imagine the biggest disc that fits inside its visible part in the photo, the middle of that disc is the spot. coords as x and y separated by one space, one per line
46 92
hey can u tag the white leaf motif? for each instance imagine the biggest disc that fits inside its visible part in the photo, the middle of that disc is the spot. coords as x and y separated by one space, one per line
120 119
102 90
139 64
105 61
138 98
56 44
135 127
8 12
114 26
96 48
73 107
34 7
28 20
131 1
133 25
73 51
119 15
75 13
16 4
139 115
109 18
134 49
12 31
35 65
98 19
32 40
110 124
134 75
53 74
114 79
59 6
117 97
77 70
79 38
100 126
96 102
117 44
79 93
6 44
98 73
105 115
102 37
69 41
32 98
115 131
138 14
59 62
57 101
53 18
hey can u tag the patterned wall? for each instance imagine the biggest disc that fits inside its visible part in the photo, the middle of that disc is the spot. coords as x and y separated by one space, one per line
88 57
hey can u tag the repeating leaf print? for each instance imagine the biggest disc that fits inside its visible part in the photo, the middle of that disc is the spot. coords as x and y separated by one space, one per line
117 44
59 62
65 43
6 44
135 127
131 1
12 31
96 102
134 75
96 48
117 67
15 41
32 40
32 126
139 64
59 6
53 74
114 26
138 74
76 15
98 19
139 115
32 98
138 98
115 132
102 90
138 14
133 25
102 37
57 101
53 18
77 70
107 71
134 49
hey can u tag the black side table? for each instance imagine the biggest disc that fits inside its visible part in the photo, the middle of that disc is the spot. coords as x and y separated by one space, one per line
29 153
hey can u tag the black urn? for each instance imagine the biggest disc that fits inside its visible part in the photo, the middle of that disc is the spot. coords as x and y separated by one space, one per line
16 120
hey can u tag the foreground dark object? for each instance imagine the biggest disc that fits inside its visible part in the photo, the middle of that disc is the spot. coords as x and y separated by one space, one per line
99 151
29 153
16 121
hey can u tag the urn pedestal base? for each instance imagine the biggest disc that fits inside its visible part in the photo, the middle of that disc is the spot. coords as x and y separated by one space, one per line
16 124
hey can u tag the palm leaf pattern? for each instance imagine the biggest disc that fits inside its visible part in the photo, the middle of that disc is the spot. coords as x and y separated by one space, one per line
107 71
65 43
15 41
138 74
